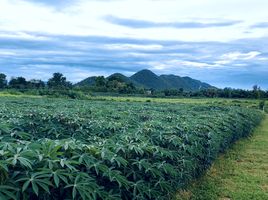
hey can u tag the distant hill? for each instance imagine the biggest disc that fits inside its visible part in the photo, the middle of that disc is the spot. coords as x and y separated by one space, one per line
119 77
147 79
87 82
187 83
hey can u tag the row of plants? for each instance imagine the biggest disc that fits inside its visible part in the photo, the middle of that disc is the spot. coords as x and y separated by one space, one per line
72 149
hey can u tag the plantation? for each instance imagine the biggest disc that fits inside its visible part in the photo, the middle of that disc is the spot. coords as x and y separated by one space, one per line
70 149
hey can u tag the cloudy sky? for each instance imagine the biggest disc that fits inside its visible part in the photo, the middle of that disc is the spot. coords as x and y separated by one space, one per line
222 42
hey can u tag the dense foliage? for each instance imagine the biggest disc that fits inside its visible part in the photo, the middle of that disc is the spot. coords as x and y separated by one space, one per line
143 83
57 81
69 149
116 83
150 80
3 81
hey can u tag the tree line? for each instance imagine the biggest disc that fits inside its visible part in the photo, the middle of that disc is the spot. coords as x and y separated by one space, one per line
58 82
111 84
255 93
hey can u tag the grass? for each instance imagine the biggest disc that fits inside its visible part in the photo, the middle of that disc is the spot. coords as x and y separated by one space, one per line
223 101
252 103
248 103
17 94
239 174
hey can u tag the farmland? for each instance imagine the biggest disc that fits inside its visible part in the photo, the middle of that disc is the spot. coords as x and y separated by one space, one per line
103 149
240 173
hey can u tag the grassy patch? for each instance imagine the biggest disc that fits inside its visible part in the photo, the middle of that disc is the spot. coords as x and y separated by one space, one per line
240 174
218 101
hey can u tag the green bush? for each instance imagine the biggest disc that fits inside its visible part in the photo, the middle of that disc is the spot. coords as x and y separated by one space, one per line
262 105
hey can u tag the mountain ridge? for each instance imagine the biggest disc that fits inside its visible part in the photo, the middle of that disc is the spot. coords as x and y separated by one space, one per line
149 80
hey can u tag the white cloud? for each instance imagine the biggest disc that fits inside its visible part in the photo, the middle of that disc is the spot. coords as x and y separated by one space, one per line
241 56
7 53
196 64
133 47
24 42
22 35
138 55
86 18
176 64
235 56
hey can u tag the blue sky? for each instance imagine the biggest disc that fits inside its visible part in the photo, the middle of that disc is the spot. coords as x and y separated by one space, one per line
222 42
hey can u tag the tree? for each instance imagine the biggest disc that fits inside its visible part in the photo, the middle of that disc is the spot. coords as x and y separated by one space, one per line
3 81
18 83
36 84
262 105
227 93
256 91
100 81
58 81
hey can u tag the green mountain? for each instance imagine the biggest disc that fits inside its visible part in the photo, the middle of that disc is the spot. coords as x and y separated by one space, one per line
147 79
187 83
119 77
87 82
150 80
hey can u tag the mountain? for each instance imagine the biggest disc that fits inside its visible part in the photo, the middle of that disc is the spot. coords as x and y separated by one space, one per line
187 83
119 77
147 79
87 82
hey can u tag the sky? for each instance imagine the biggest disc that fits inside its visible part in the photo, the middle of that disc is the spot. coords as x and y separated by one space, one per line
221 42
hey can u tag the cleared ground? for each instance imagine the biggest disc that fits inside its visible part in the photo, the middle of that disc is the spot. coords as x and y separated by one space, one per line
241 173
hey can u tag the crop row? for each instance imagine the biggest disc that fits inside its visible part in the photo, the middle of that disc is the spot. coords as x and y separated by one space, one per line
68 149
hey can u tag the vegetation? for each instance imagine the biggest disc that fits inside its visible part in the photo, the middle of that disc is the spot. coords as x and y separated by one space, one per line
150 81
247 103
3 81
262 105
118 84
114 83
239 174
58 81
70 149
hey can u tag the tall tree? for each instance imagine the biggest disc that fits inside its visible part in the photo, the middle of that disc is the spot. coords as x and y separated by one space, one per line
18 83
58 81
36 84
256 91
3 80
100 81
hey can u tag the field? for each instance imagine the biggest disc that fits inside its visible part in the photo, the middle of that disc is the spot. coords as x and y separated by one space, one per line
103 149
241 173
248 103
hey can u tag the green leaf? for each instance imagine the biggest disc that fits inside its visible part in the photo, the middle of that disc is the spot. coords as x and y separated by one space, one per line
35 188
8 192
44 186
25 162
25 185
74 192
56 179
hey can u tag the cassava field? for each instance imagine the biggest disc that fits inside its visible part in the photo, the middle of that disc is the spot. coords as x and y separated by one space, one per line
103 149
